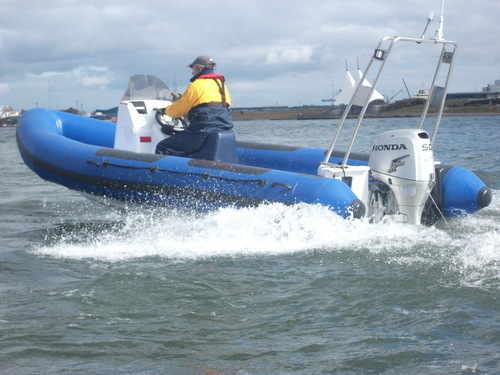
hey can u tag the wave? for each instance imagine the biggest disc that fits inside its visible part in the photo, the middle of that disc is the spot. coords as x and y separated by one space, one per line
468 244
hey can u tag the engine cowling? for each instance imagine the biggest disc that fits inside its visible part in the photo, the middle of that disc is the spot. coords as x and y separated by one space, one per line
403 161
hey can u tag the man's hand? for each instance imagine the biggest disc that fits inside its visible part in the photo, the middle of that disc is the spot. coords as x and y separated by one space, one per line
175 96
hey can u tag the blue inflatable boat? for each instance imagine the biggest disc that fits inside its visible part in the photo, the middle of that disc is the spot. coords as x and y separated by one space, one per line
79 153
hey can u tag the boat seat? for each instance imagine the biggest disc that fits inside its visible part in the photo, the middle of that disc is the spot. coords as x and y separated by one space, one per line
220 145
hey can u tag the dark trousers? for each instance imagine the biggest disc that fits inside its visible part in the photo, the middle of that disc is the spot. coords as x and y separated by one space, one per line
204 118
182 144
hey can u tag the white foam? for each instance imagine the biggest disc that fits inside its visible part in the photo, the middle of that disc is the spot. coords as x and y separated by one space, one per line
274 229
269 229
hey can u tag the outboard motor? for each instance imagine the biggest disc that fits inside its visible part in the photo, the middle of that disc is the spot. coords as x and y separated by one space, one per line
402 167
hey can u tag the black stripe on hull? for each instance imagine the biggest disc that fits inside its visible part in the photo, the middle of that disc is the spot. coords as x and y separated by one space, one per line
127 190
272 147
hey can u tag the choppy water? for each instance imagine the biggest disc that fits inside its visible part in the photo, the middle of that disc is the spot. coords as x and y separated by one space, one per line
266 290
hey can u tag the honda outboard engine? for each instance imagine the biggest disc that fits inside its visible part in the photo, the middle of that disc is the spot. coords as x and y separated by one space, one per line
402 171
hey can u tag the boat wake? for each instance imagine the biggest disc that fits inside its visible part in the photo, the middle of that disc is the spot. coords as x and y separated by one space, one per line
468 244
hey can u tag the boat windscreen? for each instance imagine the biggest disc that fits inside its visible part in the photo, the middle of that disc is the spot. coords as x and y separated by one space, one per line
145 86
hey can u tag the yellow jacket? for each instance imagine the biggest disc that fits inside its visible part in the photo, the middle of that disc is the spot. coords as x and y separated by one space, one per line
202 90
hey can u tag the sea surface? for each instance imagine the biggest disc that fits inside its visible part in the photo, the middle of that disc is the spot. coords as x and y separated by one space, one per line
264 290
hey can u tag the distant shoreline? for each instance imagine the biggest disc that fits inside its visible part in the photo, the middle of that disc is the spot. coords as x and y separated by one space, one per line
331 113
320 113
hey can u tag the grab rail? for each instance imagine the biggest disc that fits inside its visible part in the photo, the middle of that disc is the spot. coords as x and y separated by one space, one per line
380 54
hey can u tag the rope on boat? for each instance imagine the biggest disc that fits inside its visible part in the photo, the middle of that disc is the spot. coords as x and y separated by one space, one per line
259 182
286 186
439 210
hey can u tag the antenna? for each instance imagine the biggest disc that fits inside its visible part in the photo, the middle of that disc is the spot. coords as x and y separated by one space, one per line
439 31
430 17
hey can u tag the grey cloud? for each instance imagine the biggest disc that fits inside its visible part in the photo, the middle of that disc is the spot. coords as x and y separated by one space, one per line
275 44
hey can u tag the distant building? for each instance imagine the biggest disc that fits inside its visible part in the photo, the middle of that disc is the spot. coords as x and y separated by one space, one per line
489 92
350 84
7 111
110 114
8 116
466 95
493 88
72 110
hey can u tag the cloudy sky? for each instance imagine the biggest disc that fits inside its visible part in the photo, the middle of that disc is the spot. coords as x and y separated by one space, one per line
61 53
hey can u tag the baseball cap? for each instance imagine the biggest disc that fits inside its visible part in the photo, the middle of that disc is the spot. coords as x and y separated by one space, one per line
202 60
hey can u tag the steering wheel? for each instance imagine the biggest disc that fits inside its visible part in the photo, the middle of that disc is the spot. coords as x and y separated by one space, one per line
160 119
168 127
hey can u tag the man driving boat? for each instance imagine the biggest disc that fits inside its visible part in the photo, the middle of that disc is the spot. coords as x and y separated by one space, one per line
206 103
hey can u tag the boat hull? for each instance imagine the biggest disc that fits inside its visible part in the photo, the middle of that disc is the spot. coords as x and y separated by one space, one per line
78 153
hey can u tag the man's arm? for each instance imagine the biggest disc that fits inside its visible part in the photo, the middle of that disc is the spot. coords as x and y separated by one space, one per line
182 106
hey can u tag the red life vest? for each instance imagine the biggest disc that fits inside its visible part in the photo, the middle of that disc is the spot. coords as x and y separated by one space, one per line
219 80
